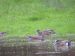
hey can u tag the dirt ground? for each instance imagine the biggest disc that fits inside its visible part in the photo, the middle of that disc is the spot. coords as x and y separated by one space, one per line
31 51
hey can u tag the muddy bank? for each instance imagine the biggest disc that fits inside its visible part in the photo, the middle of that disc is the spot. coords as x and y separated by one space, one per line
24 50
28 50
31 50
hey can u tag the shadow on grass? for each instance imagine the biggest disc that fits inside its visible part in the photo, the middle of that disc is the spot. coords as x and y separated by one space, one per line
35 19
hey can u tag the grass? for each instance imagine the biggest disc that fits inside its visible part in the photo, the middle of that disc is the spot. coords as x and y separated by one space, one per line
24 17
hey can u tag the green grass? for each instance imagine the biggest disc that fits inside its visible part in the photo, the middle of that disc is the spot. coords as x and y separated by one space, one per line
24 17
